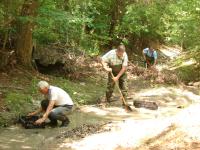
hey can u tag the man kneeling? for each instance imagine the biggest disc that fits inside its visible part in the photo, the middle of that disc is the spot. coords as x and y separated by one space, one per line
56 105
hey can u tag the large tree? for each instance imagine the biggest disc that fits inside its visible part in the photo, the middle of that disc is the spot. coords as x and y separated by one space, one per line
25 27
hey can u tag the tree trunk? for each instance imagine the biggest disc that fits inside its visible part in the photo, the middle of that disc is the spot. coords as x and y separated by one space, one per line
24 39
5 40
117 12
113 22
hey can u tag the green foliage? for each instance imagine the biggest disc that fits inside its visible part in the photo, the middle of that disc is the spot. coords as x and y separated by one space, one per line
56 24
79 24
26 100
15 101
142 20
186 72
81 92
87 24
9 11
187 66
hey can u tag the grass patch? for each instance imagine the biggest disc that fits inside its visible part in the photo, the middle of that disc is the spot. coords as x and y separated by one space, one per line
16 101
22 101
187 66
188 73
86 92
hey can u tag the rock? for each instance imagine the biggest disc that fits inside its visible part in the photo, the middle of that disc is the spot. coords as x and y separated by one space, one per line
197 84
190 83
145 104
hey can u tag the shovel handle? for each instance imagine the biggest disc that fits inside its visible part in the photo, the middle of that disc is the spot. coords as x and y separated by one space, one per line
123 99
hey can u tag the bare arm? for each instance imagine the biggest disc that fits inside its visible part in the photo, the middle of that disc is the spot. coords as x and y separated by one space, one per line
121 72
144 56
35 112
105 66
155 62
49 108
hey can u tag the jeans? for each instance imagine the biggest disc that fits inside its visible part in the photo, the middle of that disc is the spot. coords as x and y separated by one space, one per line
58 112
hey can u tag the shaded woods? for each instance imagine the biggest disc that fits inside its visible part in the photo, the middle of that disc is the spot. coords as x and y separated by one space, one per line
93 26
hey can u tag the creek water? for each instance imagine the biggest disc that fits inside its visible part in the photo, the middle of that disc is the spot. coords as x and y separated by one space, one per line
18 138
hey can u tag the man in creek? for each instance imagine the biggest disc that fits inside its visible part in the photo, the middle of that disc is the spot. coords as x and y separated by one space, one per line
150 57
116 61
56 106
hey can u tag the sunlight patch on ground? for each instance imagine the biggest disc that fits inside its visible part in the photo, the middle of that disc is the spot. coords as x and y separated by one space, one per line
118 113
26 147
154 92
189 121
161 67
187 94
167 99
130 130
15 140
189 116
162 91
106 111
95 110
128 134
185 63
170 52
133 133
189 62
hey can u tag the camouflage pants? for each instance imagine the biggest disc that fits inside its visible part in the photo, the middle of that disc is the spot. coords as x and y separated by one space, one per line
111 84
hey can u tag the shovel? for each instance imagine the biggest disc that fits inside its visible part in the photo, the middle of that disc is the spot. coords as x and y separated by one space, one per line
127 108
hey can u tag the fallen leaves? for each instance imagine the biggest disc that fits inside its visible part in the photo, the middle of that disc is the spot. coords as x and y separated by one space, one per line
165 76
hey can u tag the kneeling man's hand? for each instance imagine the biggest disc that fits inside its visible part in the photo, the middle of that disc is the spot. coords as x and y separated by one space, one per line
39 121
31 114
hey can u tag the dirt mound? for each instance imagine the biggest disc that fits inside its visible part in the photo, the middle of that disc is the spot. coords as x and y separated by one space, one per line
78 68
61 61
83 131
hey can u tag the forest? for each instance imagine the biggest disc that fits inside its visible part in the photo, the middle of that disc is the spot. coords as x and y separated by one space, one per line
95 26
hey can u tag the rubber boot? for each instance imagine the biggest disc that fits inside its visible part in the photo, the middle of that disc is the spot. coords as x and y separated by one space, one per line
108 97
65 122
52 123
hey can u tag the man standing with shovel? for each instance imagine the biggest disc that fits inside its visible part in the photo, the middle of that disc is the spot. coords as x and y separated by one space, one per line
115 62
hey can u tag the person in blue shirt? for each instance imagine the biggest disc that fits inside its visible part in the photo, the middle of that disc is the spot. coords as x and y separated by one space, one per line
150 56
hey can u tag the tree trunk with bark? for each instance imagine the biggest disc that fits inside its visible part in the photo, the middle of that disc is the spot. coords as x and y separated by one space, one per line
117 12
24 37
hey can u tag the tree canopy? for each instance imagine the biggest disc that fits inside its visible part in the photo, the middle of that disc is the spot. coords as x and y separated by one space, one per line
94 25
